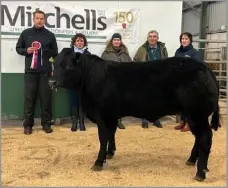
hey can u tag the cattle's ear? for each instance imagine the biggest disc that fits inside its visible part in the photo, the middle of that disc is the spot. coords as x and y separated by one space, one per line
76 57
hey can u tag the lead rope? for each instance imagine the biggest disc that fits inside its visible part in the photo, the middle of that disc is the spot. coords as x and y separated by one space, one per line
51 60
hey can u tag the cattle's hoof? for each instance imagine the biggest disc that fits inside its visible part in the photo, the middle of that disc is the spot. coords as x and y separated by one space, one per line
96 168
197 178
190 163
206 170
109 156
200 176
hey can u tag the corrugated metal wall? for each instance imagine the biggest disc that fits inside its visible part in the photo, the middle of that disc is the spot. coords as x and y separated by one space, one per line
190 21
216 17
193 2
214 53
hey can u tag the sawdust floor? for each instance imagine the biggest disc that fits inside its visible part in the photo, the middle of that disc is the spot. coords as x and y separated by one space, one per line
144 157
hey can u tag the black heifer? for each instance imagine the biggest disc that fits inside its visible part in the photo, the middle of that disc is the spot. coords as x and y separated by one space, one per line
143 90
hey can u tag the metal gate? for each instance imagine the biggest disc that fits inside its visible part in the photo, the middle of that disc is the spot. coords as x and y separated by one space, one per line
219 67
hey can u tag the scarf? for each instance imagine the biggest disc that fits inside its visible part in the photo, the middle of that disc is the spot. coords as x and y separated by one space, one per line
82 50
186 48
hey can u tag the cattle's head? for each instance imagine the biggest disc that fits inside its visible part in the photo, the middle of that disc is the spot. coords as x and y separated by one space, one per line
67 70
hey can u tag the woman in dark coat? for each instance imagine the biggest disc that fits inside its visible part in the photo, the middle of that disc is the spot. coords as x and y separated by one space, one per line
186 50
117 51
78 44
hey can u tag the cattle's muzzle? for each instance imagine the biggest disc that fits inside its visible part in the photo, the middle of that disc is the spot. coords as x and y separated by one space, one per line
53 83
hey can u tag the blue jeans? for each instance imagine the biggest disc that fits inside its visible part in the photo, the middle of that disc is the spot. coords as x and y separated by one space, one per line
73 99
76 111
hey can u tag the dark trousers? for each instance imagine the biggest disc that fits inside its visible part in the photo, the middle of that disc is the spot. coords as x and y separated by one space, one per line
76 110
36 85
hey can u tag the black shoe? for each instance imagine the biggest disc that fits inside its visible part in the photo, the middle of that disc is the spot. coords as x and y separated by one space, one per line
145 125
47 129
158 124
27 130
120 125
81 123
74 126
82 127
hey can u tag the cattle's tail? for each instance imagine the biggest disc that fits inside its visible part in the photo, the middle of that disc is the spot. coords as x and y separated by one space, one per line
215 120
216 117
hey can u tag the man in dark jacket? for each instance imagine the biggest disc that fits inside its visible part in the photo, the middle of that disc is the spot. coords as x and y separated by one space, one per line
151 50
38 45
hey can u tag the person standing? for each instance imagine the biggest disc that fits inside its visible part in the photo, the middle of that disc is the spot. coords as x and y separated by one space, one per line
186 50
38 45
78 44
151 50
116 51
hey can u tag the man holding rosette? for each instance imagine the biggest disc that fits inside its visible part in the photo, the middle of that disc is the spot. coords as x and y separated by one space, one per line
38 45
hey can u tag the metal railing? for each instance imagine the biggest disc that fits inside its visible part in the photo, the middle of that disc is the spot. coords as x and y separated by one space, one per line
218 64
219 67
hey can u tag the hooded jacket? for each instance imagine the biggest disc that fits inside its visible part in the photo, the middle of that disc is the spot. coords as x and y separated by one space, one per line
119 56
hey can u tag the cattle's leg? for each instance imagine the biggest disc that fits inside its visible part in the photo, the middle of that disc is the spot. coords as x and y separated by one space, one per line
112 143
194 155
203 135
204 148
103 134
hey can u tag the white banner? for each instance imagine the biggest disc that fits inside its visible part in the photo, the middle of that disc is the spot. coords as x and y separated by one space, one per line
65 20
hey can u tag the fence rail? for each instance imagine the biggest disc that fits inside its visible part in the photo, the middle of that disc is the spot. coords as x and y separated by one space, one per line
219 67
209 41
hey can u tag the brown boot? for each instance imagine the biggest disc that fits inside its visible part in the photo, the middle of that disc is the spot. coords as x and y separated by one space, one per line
185 128
180 126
